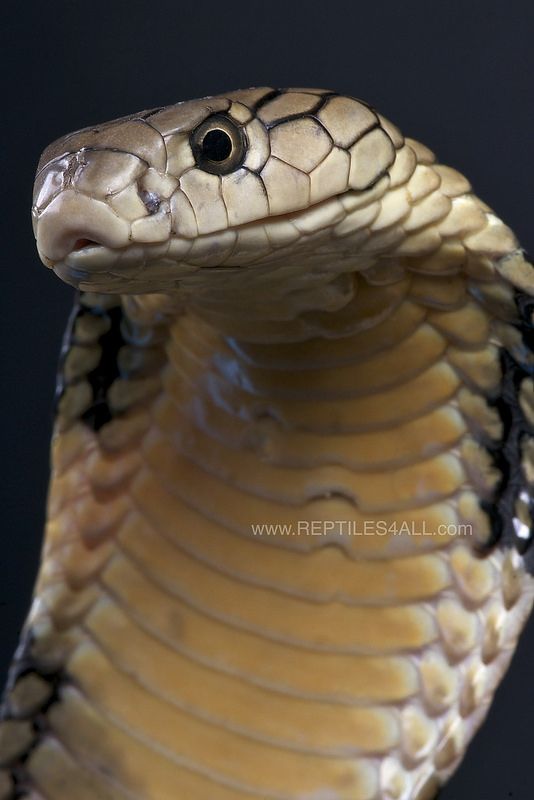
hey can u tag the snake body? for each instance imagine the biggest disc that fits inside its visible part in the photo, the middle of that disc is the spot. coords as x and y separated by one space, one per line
287 549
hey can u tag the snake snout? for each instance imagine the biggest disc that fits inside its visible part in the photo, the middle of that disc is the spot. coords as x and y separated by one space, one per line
72 222
74 198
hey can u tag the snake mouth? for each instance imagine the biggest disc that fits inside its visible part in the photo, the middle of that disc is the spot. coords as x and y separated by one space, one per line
88 262
84 244
132 266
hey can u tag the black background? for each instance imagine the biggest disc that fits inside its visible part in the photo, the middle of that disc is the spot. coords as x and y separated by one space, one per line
456 75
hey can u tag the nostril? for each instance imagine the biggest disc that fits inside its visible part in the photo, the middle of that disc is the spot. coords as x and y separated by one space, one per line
80 244
151 200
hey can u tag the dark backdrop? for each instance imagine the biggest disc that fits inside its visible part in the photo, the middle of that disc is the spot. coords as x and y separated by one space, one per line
457 75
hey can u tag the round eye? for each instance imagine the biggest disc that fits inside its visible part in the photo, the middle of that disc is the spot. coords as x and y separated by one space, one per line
218 145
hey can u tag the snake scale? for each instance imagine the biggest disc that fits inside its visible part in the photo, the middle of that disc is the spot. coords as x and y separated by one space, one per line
287 544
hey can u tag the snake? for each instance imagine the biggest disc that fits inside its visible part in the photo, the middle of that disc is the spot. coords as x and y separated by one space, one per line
287 553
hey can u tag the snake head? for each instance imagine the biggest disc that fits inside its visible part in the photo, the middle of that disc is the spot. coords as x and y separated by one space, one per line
155 201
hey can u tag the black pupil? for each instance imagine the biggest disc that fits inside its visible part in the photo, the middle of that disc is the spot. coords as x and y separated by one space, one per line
216 145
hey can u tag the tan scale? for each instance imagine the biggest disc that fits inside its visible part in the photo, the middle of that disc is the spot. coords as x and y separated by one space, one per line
269 570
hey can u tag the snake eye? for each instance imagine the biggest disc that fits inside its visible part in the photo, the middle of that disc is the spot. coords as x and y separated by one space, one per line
218 145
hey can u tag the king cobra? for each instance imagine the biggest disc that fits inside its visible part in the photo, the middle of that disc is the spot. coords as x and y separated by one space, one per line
287 543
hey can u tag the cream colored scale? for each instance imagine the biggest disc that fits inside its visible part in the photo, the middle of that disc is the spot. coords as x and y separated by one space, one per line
262 575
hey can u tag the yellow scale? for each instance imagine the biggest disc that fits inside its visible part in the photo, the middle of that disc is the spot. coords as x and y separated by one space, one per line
220 648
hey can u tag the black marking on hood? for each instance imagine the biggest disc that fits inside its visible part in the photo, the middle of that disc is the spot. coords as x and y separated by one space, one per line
507 453
27 663
106 371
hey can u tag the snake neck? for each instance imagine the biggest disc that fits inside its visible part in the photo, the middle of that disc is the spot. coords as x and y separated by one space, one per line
193 624
325 417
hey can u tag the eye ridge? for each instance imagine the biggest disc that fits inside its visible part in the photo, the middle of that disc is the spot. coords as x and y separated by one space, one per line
219 145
